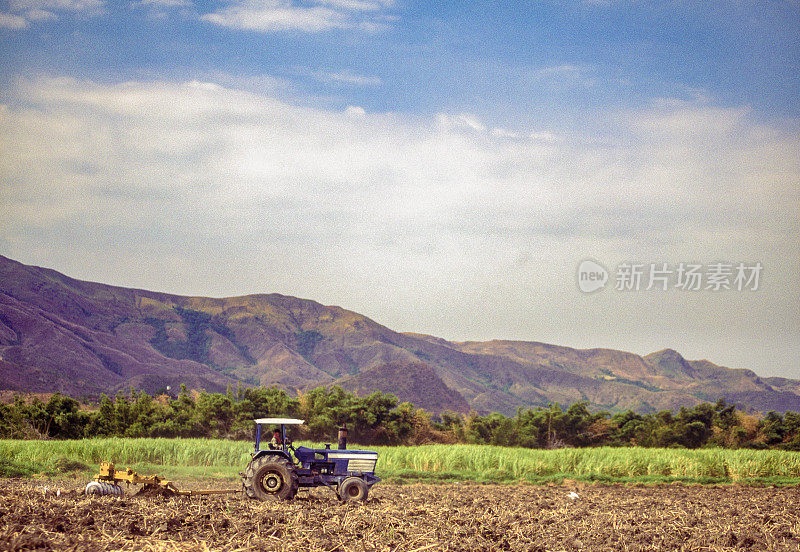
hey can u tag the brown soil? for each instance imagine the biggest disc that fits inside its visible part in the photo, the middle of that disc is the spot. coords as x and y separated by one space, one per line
412 518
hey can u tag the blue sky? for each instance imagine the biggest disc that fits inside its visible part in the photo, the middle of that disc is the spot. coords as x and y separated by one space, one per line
440 167
422 57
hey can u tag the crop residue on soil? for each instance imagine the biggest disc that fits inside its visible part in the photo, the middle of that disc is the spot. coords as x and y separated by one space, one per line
411 518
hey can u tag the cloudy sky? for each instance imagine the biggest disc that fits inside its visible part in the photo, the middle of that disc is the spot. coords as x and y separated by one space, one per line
440 167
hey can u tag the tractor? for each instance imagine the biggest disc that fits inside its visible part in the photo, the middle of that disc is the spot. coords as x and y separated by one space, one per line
272 472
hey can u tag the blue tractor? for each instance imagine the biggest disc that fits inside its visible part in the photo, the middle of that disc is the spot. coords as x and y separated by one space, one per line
272 472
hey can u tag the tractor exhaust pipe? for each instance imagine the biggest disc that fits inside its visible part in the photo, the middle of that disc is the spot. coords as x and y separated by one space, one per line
343 437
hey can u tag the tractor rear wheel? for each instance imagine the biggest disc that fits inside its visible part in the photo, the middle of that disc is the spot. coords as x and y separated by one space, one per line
353 488
270 476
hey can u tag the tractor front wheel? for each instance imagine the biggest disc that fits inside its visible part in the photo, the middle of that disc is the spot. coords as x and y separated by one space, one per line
353 488
271 477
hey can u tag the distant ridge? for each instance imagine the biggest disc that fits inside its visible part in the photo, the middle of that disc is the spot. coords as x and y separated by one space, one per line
415 382
83 339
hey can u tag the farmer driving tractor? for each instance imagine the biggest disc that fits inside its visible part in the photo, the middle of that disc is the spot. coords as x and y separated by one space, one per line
276 442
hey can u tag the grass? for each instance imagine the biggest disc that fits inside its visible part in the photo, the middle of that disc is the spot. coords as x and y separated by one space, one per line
200 458
608 464
173 458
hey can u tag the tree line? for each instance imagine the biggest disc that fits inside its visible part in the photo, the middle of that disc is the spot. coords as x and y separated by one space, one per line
380 418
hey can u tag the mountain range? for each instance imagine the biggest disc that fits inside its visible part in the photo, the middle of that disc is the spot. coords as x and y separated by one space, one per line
83 339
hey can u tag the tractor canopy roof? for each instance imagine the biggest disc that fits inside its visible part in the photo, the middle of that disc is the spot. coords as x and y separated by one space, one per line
287 421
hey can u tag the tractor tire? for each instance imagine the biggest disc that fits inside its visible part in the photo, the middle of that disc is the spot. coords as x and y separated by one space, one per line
269 477
353 489
249 475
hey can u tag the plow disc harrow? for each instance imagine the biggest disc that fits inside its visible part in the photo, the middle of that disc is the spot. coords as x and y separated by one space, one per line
103 488
107 483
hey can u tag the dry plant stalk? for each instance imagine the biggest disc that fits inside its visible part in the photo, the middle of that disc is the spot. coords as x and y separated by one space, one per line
413 518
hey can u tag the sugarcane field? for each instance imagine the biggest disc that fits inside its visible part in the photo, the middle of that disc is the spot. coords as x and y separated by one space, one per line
284 495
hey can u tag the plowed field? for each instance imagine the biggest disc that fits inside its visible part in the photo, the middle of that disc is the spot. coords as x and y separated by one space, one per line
410 518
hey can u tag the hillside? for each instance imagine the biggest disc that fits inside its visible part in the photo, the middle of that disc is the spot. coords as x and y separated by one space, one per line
415 382
83 338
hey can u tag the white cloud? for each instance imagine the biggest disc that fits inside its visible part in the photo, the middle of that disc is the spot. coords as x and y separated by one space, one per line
39 15
358 5
667 152
355 111
504 133
164 9
347 77
165 3
277 18
56 5
26 11
543 136
11 21
479 231
462 121
312 17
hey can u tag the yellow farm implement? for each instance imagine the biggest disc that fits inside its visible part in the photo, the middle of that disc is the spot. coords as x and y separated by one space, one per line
107 482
